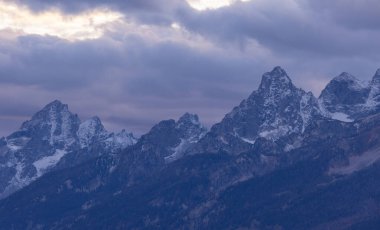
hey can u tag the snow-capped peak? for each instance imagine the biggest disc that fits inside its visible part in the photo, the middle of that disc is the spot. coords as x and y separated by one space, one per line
121 140
50 135
54 123
277 109
344 97
47 113
351 81
90 130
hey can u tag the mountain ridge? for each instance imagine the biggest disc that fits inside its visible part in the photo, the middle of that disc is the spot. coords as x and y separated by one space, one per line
52 134
268 158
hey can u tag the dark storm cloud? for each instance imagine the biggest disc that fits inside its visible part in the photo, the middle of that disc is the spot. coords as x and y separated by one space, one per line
169 79
354 14
165 68
54 63
171 69
147 11
299 29
134 80
75 6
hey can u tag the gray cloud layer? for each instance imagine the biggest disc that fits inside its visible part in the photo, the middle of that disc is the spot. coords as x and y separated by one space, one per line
132 80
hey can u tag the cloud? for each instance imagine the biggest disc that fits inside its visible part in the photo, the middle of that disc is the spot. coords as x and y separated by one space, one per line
353 14
287 27
164 58
86 25
125 77
54 63
154 12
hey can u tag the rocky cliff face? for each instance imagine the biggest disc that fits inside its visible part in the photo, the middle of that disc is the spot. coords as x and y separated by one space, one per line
346 98
53 137
276 110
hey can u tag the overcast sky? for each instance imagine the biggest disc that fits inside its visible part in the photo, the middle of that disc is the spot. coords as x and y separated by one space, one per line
136 62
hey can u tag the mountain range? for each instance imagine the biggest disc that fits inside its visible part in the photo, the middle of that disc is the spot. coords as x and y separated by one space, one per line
281 159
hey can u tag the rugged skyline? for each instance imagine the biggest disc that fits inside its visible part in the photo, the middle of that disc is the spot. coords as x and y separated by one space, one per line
281 156
136 63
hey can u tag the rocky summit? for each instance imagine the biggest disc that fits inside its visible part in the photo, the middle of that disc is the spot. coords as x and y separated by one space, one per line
277 110
281 159
347 98
53 137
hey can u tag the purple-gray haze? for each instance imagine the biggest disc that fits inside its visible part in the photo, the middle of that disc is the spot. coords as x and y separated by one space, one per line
165 58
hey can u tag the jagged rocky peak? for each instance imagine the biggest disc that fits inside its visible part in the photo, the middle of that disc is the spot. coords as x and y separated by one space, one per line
52 139
170 138
189 132
123 138
276 81
186 127
90 131
376 77
350 81
346 77
54 122
188 118
51 109
190 126
93 124
124 133
282 107
342 91
277 109
346 98
161 134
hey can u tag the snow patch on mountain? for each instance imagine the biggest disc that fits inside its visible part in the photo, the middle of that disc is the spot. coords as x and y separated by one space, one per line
177 151
294 145
47 162
120 140
275 134
341 117
247 140
13 146
190 131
